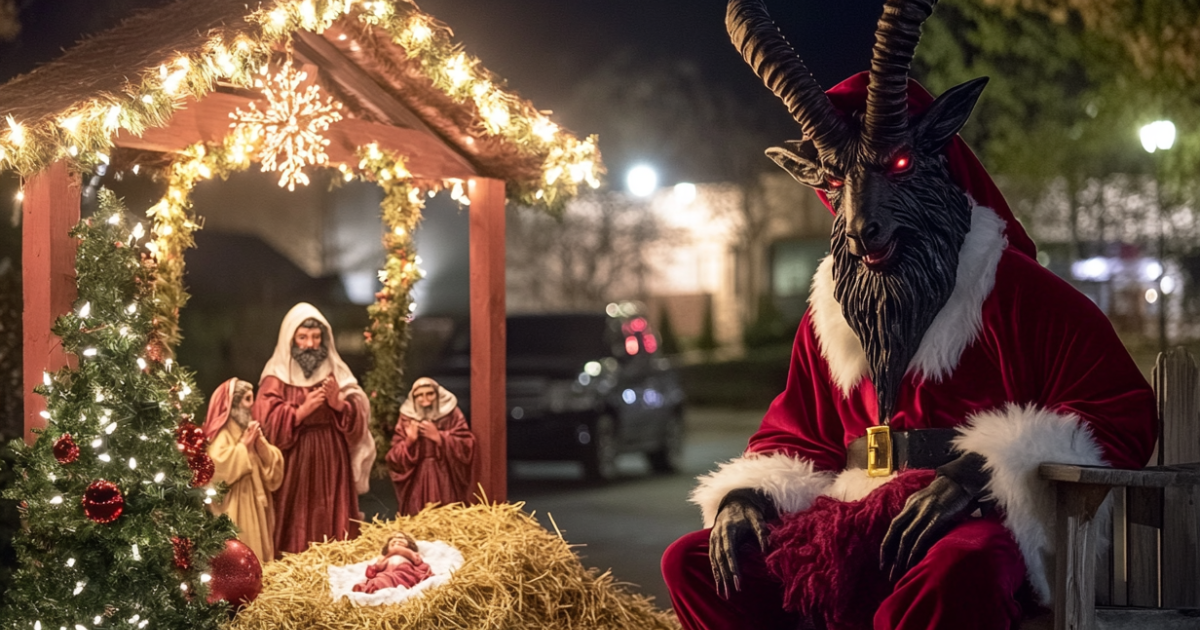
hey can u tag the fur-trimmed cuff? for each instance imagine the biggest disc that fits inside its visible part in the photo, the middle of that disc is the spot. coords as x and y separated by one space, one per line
1015 441
790 482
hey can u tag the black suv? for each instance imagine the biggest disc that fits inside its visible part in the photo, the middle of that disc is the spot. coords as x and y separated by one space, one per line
580 386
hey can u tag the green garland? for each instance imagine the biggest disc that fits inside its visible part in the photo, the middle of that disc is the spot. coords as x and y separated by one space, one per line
387 335
121 409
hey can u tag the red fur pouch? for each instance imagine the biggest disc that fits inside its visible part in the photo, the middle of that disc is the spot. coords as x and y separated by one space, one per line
827 556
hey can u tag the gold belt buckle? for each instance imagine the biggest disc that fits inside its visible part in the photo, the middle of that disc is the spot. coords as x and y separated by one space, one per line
879 451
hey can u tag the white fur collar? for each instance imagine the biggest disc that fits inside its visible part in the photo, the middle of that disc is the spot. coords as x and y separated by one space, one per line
952 330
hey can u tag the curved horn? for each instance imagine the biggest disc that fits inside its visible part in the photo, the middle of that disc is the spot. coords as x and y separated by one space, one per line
896 40
775 61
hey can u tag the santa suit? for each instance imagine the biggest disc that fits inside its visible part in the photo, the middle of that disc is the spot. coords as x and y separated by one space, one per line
1027 370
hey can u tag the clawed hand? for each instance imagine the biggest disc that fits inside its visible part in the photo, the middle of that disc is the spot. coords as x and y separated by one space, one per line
742 518
931 513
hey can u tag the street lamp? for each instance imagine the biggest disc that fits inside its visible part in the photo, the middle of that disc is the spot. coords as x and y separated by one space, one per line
1160 136
642 181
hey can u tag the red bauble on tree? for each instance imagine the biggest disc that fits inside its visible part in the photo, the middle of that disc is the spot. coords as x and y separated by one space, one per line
65 450
236 575
183 552
190 439
103 502
202 469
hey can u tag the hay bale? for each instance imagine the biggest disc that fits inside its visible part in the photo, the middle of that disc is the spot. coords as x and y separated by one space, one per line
515 574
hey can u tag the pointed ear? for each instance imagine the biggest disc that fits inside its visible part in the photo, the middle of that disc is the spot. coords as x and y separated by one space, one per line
799 157
947 115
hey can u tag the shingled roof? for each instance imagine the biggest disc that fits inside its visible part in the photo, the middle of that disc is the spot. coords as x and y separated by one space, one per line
387 62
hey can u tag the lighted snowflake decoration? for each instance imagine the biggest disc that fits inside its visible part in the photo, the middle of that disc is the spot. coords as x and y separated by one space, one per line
288 133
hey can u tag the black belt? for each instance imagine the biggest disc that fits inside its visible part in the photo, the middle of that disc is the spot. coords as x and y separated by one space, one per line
916 448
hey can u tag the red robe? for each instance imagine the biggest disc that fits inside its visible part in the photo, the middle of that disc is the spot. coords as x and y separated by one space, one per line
424 472
405 574
317 498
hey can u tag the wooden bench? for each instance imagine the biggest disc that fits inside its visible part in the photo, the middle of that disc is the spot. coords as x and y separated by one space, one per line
1150 575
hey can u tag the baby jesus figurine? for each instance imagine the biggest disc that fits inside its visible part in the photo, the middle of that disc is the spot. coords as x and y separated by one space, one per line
399 565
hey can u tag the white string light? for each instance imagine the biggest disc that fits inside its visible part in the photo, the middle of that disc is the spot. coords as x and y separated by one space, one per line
105 458
90 352
78 588
97 442
132 464
137 555
159 477
85 310
70 562
56 500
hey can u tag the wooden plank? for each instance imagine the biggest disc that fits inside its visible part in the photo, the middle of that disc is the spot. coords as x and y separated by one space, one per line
1144 523
488 409
1153 477
50 210
1141 619
356 81
207 120
1120 550
1177 374
1076 535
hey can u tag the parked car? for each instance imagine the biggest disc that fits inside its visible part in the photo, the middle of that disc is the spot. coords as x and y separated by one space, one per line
580 386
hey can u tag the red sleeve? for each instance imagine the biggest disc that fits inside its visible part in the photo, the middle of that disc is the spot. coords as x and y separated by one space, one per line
276 414
1078 364
401 457
802 421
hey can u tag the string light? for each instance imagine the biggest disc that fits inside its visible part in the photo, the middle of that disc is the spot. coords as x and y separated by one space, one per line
158 477
85 310
57 500
137 556
105 458
70 562
90 352
132 464
78 588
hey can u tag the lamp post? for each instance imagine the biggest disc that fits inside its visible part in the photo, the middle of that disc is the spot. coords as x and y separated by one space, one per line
1160 136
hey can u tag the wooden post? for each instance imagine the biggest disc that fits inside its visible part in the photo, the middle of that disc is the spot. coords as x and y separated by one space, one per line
488 409
1075 563
50 210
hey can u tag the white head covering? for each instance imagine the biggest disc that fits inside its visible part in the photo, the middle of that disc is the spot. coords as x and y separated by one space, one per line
283 367
446 401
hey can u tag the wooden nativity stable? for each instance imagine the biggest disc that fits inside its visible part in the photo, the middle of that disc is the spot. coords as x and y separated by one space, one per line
196 90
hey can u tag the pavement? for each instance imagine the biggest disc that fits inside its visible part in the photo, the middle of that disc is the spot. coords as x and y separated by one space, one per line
623 526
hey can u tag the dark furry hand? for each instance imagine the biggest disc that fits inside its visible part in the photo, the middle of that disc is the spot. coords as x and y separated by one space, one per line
742 518
932 512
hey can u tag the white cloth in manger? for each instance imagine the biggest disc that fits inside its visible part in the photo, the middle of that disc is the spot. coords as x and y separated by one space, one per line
443 560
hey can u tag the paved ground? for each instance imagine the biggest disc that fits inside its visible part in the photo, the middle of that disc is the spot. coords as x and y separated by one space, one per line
623 526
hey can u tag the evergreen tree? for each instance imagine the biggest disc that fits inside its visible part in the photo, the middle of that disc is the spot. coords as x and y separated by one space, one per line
708 330
118 436
666 332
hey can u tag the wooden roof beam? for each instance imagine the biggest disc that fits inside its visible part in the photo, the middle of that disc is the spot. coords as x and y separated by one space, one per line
353 79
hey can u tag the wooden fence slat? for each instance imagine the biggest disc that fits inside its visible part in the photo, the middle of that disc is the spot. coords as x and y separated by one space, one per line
1144 522
1178 411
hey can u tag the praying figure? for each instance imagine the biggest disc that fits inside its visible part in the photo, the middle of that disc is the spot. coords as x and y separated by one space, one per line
433 458
399 564
246 462
312 408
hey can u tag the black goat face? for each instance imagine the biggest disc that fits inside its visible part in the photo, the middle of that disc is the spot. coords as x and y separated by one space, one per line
901 220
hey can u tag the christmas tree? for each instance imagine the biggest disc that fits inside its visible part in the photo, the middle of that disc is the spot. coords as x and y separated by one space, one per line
116 532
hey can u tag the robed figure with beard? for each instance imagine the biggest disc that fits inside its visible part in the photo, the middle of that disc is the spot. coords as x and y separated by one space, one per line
893 484
247 463
433 456
312 408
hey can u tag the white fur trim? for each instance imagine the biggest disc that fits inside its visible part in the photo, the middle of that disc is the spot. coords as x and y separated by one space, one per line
1015 441
790 482
952 330
853 484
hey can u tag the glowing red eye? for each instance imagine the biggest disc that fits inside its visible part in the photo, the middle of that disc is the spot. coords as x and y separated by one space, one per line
835 182
901 163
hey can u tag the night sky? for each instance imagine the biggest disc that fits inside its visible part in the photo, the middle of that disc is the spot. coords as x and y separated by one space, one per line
546 49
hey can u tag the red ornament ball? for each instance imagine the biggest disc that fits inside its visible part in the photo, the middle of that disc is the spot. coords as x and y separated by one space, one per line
65 450
183 552
202 469
236 575
190 439
103 502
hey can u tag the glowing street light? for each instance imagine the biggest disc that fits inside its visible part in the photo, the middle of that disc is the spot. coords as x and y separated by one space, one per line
642 181
1158 135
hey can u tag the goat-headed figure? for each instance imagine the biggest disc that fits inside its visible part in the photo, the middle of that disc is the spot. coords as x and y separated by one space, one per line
901 220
